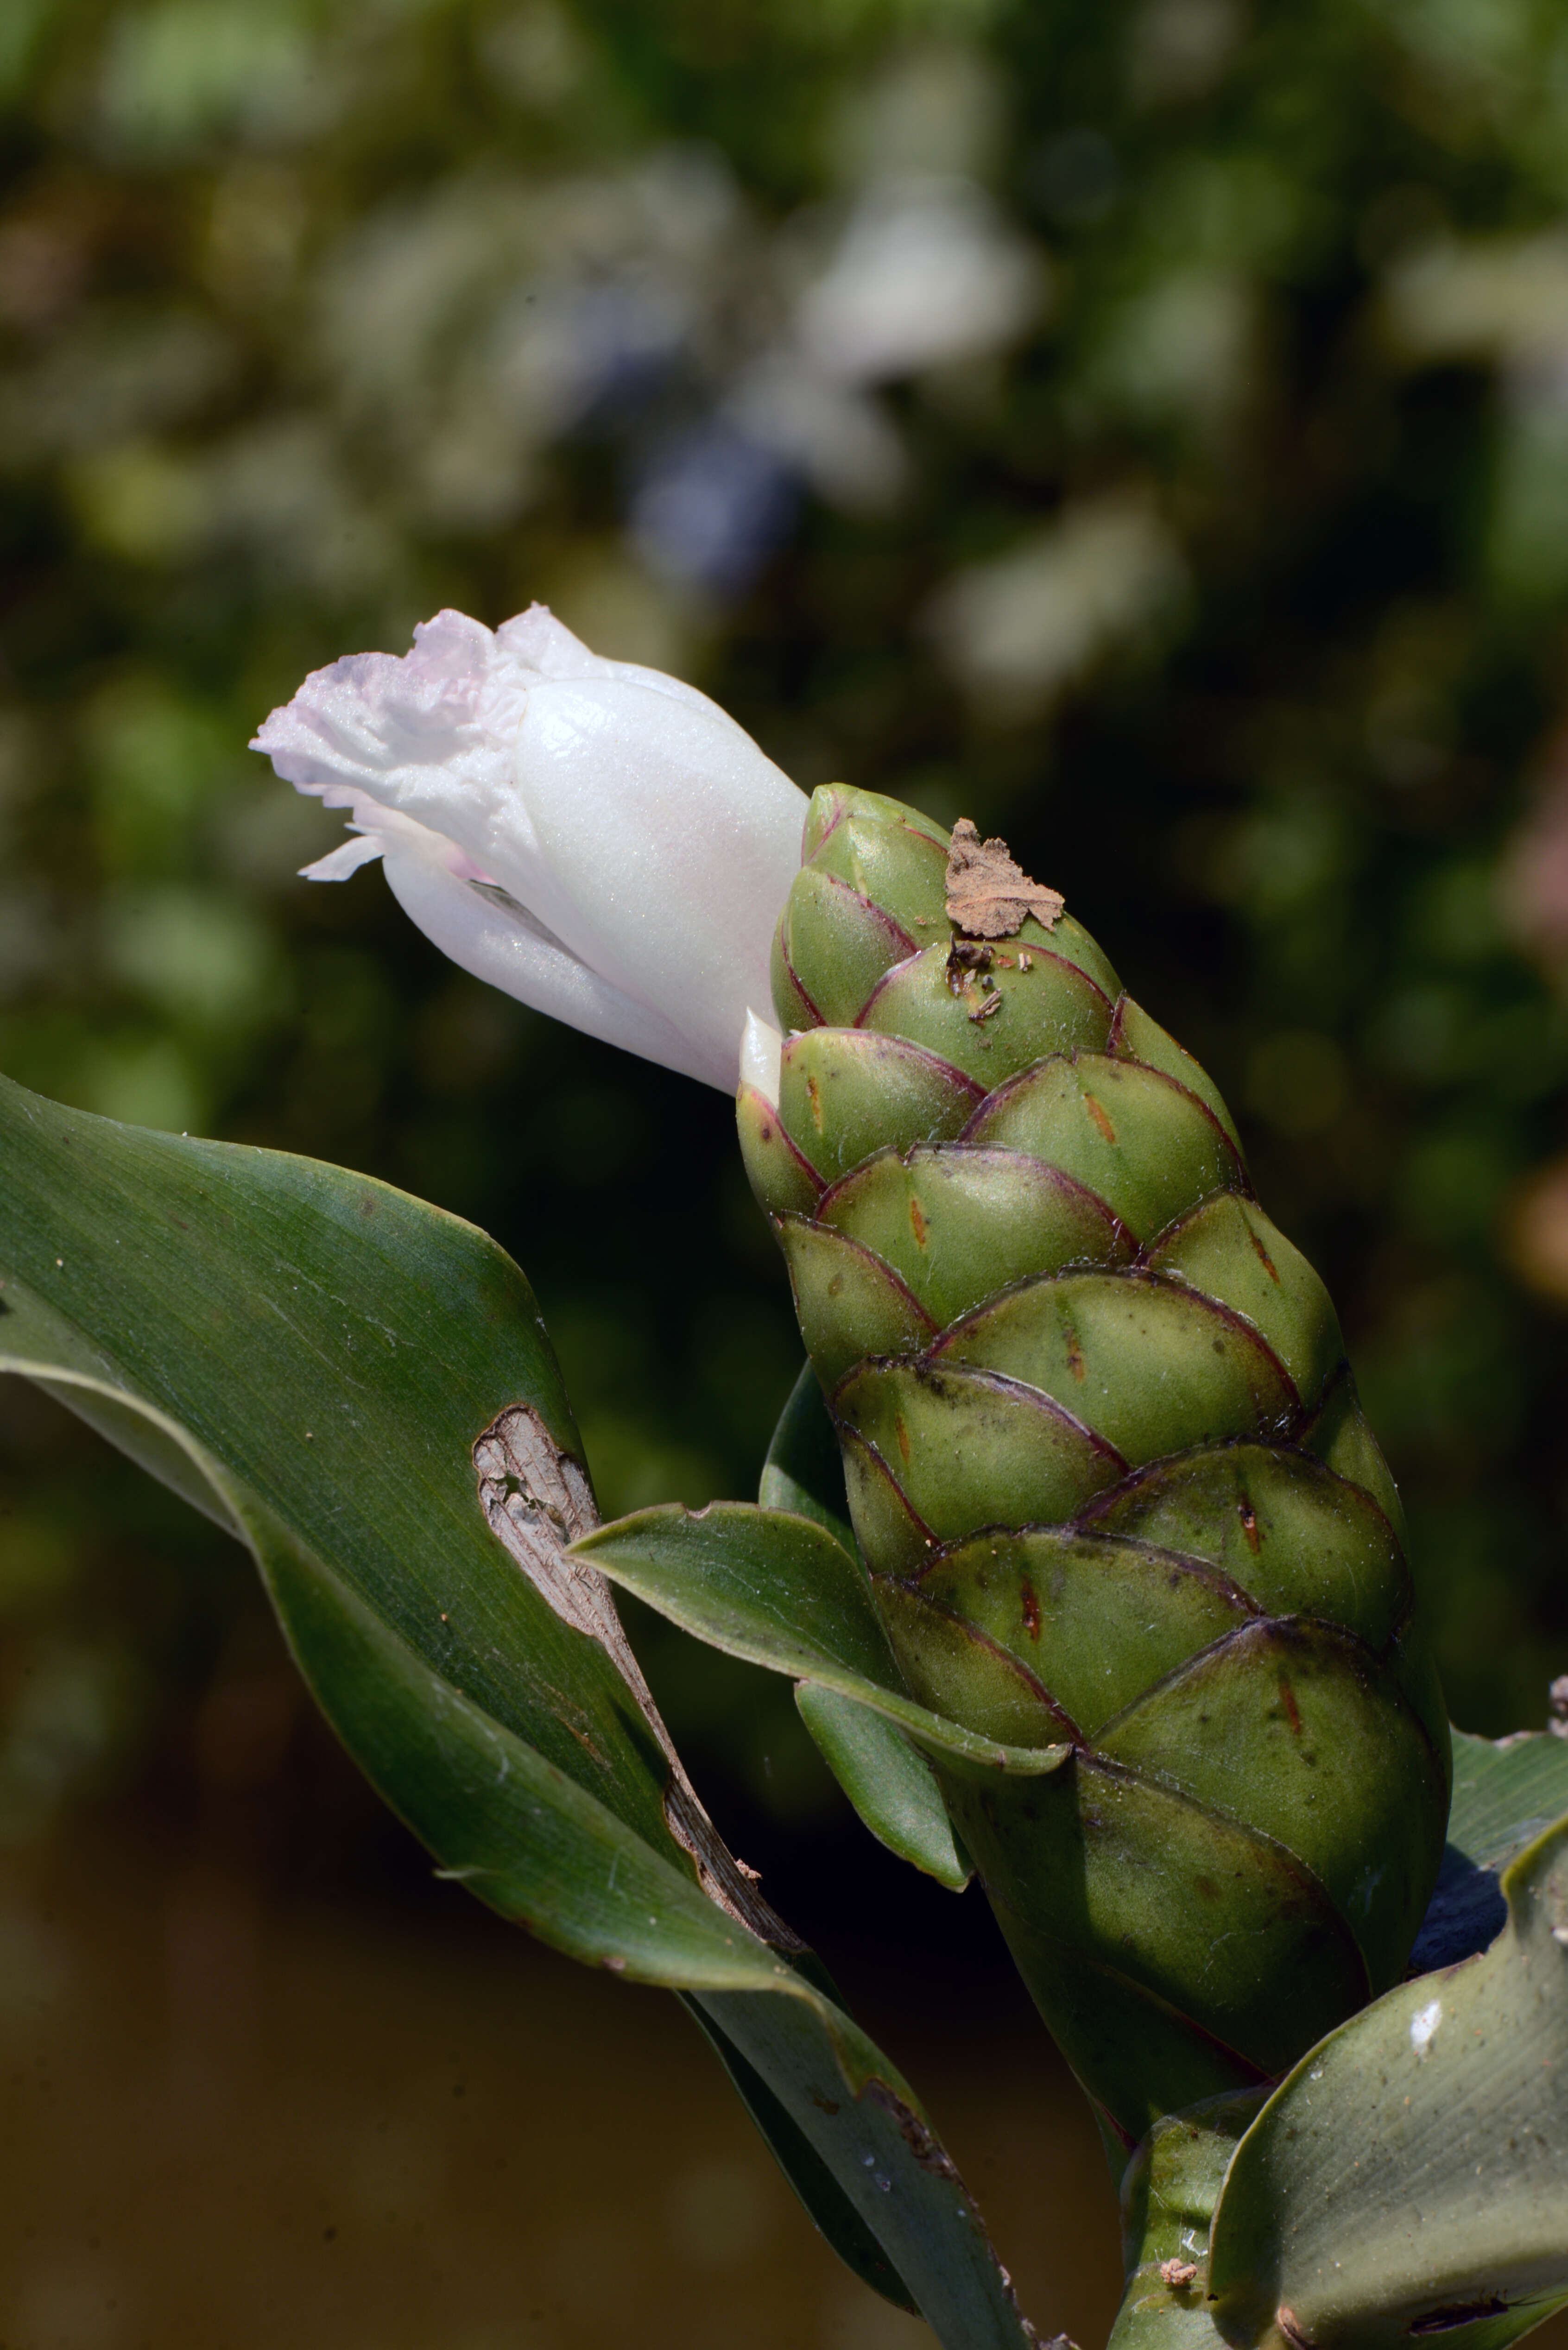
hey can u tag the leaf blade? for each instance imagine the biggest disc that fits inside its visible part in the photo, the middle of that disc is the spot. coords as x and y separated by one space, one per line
314 1372
778 1590
1449 2218
889 1784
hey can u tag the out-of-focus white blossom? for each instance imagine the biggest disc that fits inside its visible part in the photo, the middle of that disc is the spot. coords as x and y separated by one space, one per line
926 272
595 839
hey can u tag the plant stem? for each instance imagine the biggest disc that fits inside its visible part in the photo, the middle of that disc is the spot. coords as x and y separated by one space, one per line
1168 2195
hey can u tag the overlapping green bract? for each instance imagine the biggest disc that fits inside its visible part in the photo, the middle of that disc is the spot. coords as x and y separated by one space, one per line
1109 1473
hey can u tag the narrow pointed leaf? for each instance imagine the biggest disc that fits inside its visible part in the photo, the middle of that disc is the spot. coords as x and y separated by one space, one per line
779 1591
888 1783
909 2191
807 2173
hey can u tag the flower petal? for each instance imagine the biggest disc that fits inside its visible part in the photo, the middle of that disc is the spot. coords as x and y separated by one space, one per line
536 641
762 1058
425 734
667 843
649 839
499 945
359 848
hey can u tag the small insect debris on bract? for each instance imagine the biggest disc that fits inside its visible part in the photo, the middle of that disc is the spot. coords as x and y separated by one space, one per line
990 896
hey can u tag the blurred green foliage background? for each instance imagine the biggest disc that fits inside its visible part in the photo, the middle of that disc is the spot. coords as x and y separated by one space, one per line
1142 426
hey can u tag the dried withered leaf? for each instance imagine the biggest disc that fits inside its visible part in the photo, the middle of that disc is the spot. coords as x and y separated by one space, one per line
989 896
536 1498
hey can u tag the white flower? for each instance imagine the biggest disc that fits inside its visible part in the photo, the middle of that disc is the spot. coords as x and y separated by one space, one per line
762 1058
595 839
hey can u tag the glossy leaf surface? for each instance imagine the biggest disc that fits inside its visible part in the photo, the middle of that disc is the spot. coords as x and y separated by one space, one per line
1135 1137
1230 1250
1150 1367
1017 1008
965 1448
780 1591
1097 1621
957 1223
311 1357
843 1093
1411 2178
847 1301
887 1780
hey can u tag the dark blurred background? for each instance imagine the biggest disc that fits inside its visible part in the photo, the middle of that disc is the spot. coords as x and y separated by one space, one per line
1143 428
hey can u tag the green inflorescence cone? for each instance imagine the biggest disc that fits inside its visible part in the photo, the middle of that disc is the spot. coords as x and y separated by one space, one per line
1107 1471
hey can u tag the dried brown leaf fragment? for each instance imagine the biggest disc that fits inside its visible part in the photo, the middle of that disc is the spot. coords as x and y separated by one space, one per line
536 1498
989 895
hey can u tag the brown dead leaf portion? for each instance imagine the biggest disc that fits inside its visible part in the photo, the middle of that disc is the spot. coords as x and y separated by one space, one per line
990 896
536 1498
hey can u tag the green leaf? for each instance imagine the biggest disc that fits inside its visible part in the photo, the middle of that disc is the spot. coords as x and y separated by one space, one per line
780 1591
1410 2176
336 1347
1505 1792
1168 2192
312 1358
890 1785
807 2173
804 1471
911 2192
522 1834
